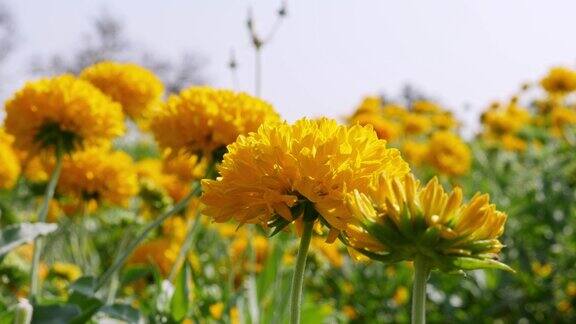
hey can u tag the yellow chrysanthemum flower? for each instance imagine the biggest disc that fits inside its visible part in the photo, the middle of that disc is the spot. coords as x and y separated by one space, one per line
137 89
68 271
444 121
61 109
155 252
561 118
163 251
400 220
34 168
500 120
369 105
448 154
203 119
415 124
426 107
270 176
385 129
10 166
415 152
513 143
185 166
329 252
401 295
392 111
99 174
239 248
560 80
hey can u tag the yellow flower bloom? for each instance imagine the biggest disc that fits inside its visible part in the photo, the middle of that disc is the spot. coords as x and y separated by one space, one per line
401 295
513 143
426 107
350 312
10 166
155 252
415 152
137 89
68 271
369 105
560 80
331 252
561 118
275 173
571 289
185 166
386 130
202 119
216 310
448 154
415 124
444 121
238 248
62 108
542 270
400 220
511 119
35 168
99 174
395 112
564 306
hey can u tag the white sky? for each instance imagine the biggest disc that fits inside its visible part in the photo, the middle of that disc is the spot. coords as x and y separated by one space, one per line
329 54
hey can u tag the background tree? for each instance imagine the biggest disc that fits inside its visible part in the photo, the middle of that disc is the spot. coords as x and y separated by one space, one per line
107 40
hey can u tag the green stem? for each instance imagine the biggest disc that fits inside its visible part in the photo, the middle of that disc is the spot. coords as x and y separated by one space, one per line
250 283
421 273
185 247
38 243
123 256
298 277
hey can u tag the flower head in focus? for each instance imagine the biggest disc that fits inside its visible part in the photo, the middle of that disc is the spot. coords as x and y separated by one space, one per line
137 89
205 120
282 172
400 219
63 111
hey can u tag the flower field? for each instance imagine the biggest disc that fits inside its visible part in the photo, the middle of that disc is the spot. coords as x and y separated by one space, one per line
122 202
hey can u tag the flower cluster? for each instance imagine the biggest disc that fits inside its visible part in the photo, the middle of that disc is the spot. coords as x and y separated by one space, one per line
514 127
417 130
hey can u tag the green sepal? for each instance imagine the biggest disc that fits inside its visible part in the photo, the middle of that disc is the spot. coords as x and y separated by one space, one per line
466 263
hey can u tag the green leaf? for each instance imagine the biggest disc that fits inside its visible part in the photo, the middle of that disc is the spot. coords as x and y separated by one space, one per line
467 263
122 312
387 235
134 273
179 304
55 314
279 224
84 285
88 305
18 234
82 295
